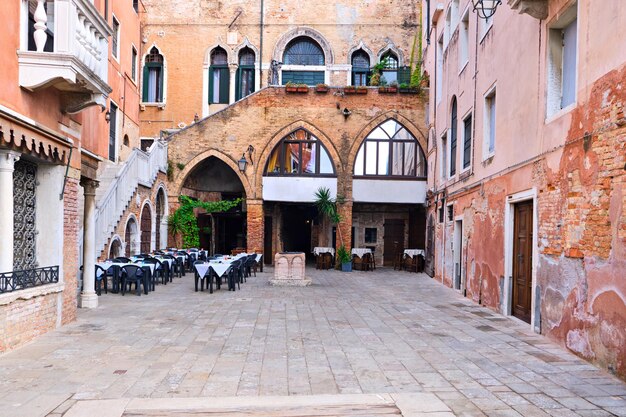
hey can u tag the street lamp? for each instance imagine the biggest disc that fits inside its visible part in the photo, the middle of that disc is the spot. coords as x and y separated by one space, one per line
242 163
485 8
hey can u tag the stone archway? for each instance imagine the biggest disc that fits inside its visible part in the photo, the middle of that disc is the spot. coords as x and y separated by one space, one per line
131 237
161 223
116 248
146 229
212 179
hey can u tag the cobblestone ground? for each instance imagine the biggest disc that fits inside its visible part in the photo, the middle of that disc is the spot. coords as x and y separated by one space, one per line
380 332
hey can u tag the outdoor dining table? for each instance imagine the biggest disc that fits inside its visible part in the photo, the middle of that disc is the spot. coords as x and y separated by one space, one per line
414 252
361 251
218 267
117 267
318 250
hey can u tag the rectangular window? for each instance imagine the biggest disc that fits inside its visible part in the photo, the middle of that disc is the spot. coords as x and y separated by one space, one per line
441 213
133 63
303 77
467 141
371 235
447 29
439 73
115 38
490 123
444 155
450 212
112 131
154 84
464 41
219 85
562 62
453 130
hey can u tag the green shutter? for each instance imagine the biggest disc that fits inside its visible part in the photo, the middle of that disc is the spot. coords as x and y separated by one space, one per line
160 92
145 84
210 86
238 84
404 75
224 83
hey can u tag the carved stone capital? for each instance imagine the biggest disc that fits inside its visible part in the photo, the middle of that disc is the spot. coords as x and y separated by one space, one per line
8 159
535 8
89 186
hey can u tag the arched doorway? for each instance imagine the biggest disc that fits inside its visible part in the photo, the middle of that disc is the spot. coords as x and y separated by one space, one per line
213 180
146 228
115 249
160 231
131 237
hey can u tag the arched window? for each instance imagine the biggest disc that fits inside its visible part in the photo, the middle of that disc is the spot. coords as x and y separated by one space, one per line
245 73
390 72
391 151
360 67
300 153
219 77
303 51
153 77
453 137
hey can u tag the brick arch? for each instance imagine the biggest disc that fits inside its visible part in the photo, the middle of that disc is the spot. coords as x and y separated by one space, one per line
178 183
286 130
368 128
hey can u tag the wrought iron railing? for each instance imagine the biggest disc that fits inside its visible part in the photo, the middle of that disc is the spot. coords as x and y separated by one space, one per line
28 278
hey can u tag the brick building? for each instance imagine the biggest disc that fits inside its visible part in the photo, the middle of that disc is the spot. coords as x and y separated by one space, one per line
527 166
227 74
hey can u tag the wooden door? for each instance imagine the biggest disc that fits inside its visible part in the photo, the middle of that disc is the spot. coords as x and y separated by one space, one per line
393 239
146 229
268 256
522 260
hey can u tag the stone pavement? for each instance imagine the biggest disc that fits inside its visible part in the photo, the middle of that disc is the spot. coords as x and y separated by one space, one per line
365 333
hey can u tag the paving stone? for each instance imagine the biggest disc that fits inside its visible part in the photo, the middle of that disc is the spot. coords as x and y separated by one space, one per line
359 333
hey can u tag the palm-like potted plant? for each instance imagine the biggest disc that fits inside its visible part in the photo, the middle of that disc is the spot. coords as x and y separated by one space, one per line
327 207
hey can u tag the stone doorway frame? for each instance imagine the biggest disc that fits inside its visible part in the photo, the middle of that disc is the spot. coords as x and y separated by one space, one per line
509 222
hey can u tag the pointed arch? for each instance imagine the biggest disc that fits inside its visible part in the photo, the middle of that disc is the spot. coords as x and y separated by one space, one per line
285 131
131 236
146 220
229 53
162 83
373 124
227 159
247 44
365 49
391 47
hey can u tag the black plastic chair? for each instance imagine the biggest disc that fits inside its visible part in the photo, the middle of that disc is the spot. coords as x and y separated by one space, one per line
158 272
133 274
205 279
121 259
103 278
250 266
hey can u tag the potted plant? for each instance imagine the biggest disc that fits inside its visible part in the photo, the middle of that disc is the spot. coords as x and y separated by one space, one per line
349 89
327 206
303 88
376 78
361 89
321 88
391 88
291 87
408 89
344 258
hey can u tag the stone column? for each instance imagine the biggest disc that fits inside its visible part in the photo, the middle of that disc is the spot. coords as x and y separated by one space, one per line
233 82
88 298
7 163
256 224
345 226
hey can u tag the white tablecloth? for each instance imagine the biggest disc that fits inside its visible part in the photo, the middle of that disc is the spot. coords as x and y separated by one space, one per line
319 250
169 261
258 257
220 268
103 265
361 251
414 252
202 269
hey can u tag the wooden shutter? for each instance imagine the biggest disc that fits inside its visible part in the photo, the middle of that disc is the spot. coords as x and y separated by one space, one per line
211 85
224 84
467 141
161 75
238 84
145 83
404 75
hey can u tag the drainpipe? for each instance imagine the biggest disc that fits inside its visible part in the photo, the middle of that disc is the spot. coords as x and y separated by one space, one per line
475 88
261 46
427 22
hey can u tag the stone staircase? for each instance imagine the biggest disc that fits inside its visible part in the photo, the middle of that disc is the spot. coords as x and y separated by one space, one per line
118 183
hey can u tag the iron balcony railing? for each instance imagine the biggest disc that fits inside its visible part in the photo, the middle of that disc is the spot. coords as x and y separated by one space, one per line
28 278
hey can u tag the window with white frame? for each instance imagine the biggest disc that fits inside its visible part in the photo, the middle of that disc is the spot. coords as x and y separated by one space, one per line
444 155
447 30
439 73
133 63
153 76
219 77
467 141
453 137
115 39
489 146
562 62
455 13
464 40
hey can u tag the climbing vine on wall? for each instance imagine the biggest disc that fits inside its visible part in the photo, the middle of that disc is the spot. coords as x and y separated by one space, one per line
183 221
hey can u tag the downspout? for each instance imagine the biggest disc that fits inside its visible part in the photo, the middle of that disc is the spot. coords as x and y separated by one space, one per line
427 22
261 45
475 88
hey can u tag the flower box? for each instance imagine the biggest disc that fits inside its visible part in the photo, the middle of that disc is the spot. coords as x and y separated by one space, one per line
409 90
388 90
296 89
321 89
355 90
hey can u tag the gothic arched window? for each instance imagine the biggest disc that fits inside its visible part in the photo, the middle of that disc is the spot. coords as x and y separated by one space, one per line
153 77
300 153
219 77
360 67
303 51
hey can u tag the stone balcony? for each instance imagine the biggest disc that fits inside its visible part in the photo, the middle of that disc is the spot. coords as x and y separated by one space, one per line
73 57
